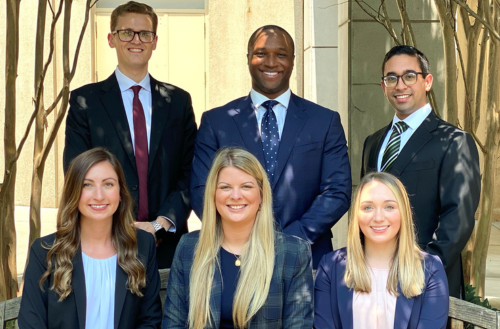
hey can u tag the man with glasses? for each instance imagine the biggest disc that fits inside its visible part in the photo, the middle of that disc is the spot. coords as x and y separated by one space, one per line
149 126
437 162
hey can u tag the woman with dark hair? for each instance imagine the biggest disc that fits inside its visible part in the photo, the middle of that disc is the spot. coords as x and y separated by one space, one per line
382 280
238 272
97 270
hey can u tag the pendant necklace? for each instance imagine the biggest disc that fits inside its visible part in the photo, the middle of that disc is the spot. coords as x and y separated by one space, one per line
237 262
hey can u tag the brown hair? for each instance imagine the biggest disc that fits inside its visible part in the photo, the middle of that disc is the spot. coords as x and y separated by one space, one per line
67 241
133 7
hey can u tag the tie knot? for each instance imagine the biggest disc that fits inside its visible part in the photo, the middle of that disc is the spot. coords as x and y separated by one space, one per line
400 127
136 89
268 105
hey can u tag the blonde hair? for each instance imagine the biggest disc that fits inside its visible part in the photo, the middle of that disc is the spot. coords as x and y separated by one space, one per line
257 256
407 266
67 241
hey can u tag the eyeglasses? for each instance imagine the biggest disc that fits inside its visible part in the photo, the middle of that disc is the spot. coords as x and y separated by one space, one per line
129 35
409 78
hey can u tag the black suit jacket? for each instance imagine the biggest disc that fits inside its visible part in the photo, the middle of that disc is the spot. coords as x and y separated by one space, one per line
96 117
439 166
42 308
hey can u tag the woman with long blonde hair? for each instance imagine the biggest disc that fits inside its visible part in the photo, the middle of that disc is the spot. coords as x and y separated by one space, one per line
97 270
382 280
238 272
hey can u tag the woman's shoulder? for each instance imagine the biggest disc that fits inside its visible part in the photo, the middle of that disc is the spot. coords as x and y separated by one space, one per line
286 242
432 263
43 244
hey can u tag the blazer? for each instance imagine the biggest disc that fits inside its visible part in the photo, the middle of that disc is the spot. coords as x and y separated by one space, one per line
333 299
96 117
439 167
312 181
42 308
289 303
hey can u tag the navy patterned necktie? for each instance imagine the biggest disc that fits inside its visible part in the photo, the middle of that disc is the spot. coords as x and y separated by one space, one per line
392 150
269 134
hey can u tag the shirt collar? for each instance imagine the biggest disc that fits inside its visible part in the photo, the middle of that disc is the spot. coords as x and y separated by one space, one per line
126 83
415 119
258 98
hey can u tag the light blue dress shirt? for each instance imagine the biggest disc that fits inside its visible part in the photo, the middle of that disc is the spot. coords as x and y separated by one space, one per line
100 281
279 109
413 121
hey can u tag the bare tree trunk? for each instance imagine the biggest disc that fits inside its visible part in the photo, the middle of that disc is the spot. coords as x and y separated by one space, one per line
8 270
446 17
490 161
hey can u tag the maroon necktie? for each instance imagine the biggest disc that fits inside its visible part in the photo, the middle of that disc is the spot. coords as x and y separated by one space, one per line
141 154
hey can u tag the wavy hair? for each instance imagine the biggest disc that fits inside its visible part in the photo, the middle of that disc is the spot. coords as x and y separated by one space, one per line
257 256
136 8
67 240
407 266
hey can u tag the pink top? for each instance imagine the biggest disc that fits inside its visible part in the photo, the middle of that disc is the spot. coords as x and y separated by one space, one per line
374 310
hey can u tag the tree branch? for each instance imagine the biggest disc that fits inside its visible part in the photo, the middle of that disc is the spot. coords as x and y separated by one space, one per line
492 30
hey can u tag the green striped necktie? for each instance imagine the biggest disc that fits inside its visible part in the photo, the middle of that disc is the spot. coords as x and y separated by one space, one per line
392 150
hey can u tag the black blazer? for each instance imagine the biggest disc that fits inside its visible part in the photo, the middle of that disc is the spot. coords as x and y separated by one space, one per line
41 309
439 166
96 117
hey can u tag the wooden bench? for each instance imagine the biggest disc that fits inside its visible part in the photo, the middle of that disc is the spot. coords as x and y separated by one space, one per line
460 310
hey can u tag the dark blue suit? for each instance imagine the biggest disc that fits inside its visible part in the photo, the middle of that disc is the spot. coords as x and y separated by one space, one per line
289 304
333 299
312 180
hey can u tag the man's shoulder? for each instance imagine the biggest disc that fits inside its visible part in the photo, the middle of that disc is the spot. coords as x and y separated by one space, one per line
235 104
167 88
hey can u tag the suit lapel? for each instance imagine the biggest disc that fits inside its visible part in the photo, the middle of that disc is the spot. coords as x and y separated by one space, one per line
246 121
120 292
344 297
377 141
79 288
403 311
161 100
113 104
216 297
420 137
294 122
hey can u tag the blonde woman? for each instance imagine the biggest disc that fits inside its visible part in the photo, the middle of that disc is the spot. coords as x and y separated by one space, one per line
238 272
97 270
382 280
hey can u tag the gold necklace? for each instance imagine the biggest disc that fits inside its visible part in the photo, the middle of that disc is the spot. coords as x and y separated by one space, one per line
237 262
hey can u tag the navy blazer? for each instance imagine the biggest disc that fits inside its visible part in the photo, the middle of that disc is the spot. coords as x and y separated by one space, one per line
439 167
42 309
289 304
333 299
96 117
312 180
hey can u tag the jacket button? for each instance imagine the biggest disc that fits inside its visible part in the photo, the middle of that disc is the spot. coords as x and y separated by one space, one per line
134 187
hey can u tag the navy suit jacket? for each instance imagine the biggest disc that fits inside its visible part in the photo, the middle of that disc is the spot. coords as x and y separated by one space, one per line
42 309
289 304
96 117
312 180
439 167
333 299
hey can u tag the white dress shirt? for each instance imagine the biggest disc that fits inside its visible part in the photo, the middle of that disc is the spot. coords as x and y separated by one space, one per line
413 121
279 109
125 83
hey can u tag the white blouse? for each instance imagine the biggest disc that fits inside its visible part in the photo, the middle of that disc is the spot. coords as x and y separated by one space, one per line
100 278
377 309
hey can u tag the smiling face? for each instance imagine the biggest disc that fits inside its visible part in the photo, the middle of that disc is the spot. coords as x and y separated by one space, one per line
270 61
406 99
133 56
100 194
237 197
379 217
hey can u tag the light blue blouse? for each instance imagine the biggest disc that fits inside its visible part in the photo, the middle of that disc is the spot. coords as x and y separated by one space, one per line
100 278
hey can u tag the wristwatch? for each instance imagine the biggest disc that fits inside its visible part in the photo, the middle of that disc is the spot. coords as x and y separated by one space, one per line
156 225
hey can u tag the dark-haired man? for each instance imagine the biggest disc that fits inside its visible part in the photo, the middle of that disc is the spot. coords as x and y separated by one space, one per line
300 144
147 124
437 162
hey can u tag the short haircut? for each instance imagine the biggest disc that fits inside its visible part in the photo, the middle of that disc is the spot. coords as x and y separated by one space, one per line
133 7
423 62
264 28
